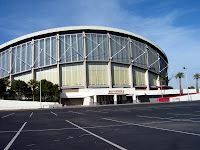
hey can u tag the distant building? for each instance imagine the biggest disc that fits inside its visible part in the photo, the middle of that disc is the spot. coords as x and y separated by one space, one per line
92 65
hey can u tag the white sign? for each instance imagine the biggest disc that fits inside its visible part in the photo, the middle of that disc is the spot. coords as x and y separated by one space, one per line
115 91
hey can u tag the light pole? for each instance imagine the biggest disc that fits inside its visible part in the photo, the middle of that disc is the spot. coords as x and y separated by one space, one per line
40 91
187 82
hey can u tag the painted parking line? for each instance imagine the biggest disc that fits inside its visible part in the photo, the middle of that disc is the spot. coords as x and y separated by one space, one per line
154 117
61 129
97 136
76 112
171 119
8 115
54 113
179 114
31 115
145 126
158 122
97 111
15 137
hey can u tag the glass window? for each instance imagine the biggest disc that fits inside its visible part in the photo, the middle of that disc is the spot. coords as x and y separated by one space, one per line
49 74
72 75
71 47
47 51
25 77
36 48
119 49
97 74
153 60
28 57
23 61
138 76
120 75
41 50
138 54
97 46
152 79
53 50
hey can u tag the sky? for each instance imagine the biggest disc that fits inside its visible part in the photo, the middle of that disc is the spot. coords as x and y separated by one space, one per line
172 24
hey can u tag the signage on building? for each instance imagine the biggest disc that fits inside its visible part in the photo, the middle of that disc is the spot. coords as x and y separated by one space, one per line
115 91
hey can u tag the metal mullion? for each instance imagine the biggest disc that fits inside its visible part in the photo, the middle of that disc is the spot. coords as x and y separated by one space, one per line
98 46
158 62
12 62
1 64
20 58
39 53
65 50
44 51
71 46
91 45
50 49
77 47
71 76
15 60
5 63
97 83
26 54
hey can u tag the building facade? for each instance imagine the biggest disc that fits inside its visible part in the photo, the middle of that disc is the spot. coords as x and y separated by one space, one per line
90 64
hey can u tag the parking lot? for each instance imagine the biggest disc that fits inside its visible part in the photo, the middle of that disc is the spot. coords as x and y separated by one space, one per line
167 126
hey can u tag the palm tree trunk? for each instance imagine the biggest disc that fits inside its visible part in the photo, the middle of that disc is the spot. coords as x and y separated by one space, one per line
180 86
197 86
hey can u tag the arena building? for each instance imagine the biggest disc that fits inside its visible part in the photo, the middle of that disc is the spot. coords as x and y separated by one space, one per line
92 65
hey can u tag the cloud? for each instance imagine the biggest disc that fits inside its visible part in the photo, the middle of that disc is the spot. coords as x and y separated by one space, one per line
180 43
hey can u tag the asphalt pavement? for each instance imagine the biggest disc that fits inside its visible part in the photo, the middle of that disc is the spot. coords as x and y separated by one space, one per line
165 126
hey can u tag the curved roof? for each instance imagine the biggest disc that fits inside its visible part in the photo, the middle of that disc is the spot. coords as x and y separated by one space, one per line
55 30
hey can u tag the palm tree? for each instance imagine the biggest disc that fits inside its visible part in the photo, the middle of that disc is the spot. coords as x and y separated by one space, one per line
180 75
197 77
33 84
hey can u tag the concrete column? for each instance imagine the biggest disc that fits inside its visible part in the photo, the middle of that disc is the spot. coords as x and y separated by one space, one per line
109 63
33 59
58 58
10 73
85 59
131 66
147 79
158 78
95 100
131 75
134 98
115 99
158 81
147 72
58 63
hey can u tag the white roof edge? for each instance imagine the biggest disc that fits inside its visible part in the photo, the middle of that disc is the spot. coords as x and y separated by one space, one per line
78 28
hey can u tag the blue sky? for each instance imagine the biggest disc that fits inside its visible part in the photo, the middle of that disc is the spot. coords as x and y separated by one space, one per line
171 24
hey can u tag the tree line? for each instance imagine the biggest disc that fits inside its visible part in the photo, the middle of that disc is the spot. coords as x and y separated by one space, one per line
21 90
181 75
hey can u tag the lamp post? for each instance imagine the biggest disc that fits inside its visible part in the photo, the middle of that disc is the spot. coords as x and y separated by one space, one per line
187 82
40 91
